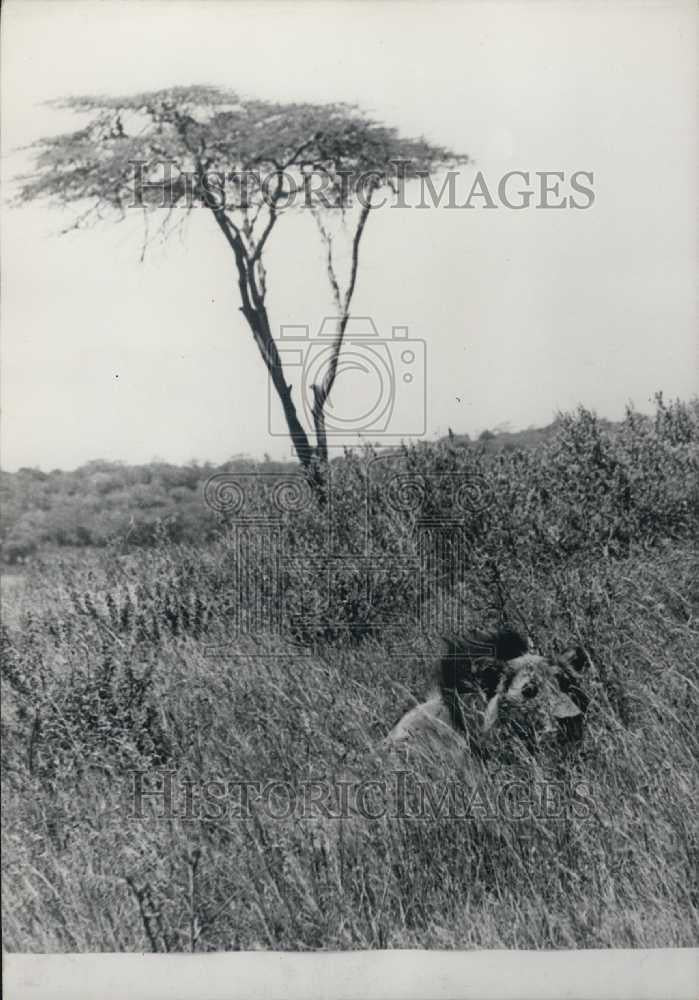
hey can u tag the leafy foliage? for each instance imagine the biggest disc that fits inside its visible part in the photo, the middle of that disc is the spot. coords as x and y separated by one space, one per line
208 130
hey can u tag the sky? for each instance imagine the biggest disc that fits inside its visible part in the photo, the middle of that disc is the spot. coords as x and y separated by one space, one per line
513 315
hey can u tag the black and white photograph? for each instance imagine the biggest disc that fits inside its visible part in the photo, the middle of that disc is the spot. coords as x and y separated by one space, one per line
350 498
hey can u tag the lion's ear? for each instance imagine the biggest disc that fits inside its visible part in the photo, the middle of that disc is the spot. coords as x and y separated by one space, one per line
571 666
574 659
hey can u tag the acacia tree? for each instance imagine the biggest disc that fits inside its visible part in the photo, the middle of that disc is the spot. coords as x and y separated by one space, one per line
249 163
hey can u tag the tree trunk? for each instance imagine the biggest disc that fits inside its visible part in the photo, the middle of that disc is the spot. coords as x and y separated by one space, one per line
259 324
254 310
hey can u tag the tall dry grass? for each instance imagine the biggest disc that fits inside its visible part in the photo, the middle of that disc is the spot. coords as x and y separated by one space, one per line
129 663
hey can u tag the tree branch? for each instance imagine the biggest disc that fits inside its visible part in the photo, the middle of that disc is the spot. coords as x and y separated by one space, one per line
273 215
322 392
355 254
327 239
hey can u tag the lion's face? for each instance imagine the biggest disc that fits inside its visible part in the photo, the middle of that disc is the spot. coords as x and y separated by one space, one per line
536 698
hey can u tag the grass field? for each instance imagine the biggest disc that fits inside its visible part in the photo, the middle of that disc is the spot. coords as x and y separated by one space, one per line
143 669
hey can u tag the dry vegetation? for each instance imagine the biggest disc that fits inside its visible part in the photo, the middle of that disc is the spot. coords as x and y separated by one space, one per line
127 659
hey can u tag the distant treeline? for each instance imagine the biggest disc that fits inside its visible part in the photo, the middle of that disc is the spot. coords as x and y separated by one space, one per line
105 502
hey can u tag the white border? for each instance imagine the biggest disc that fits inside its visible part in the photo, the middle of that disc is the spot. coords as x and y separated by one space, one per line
666 974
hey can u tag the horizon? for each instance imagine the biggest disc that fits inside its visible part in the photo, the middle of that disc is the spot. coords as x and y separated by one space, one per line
503 429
